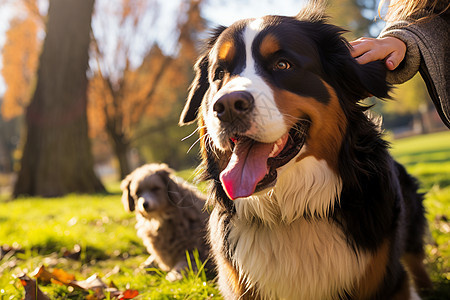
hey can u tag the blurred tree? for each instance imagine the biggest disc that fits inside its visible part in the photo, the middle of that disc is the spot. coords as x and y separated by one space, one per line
56 157
160 138
132 102
119 106
411 98
20 57
9 139
121 94
354 15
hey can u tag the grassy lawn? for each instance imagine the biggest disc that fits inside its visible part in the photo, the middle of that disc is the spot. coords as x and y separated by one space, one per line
44 231
428 158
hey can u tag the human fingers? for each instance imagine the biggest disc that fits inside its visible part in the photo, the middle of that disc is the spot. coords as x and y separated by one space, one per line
360 46
389 49
359 49
371 55
397 55
393 60
360 40
369 49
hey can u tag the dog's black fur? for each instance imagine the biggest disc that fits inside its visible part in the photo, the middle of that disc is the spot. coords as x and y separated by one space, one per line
378 202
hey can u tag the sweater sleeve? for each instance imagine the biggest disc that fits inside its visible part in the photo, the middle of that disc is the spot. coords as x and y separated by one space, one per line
428 48
410 64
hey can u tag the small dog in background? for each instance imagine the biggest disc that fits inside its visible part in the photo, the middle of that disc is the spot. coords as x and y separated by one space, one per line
170 217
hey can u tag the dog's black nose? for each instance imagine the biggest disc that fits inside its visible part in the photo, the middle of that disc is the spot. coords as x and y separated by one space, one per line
233 105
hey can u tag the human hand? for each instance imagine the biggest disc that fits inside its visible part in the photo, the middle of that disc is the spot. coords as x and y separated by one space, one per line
389 49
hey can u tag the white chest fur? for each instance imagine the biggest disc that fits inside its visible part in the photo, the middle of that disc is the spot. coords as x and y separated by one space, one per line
285 255
302 260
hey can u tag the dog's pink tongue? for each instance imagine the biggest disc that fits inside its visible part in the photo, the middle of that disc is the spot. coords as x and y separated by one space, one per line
247 167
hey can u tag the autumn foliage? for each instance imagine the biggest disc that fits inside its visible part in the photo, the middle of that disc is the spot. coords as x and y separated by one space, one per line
129 90
118 106
122 97
20 60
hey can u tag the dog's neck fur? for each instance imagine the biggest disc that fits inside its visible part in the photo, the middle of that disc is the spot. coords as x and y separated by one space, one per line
301 204
304 196
304 189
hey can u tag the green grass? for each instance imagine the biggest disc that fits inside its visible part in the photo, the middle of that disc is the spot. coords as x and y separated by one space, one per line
428 158
45 228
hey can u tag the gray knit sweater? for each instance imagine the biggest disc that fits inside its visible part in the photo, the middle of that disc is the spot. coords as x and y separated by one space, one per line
428 51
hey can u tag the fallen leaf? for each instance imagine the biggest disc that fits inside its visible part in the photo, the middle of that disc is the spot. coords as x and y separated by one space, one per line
129 294
112 285
32 291
114 293
74 254
42 274
62 276
93 283
89 284
57 276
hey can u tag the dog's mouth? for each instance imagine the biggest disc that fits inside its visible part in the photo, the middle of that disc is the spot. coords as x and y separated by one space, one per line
253 165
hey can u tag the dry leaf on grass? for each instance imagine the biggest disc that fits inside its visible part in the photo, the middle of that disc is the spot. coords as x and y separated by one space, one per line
130 294
59 276
73 254
32 291
91 283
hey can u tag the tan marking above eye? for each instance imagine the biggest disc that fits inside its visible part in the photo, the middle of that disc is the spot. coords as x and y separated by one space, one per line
269 45
226 51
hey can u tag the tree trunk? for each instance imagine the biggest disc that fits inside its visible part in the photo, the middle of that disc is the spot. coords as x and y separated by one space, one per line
57 158
121 150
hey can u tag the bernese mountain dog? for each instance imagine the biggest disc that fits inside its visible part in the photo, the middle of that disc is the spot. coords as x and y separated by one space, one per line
307 202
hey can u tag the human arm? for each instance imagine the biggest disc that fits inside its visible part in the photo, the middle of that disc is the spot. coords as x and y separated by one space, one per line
427 49
390 49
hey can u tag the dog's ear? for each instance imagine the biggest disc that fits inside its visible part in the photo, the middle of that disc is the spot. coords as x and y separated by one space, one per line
200 84
340 69
354 80
127 200
173 191
372 77
198 88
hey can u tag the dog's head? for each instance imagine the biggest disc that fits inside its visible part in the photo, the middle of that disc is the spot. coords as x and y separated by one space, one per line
270 92
149 190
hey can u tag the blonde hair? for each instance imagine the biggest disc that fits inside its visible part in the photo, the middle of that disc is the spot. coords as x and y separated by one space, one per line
404 9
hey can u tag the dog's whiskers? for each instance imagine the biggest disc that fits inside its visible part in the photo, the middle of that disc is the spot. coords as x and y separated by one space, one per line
211 143
193 145
294 120
191 134
196 141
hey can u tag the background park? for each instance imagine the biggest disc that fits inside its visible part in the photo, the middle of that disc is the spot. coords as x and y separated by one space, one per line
90 90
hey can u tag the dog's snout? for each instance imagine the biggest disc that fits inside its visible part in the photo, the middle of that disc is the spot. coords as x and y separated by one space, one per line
145 205
233 105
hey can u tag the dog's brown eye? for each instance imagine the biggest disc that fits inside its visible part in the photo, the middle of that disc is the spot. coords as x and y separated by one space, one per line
282 65
220 73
